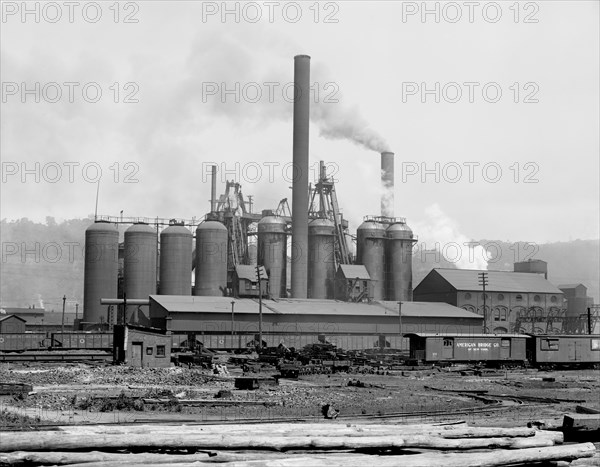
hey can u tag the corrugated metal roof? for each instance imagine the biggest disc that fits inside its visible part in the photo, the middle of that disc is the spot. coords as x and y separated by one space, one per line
11 316
51 319
193 304
498 281
248 272
430 309
355 271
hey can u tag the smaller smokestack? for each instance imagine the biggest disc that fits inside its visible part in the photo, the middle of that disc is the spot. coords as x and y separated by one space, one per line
387 182
213 189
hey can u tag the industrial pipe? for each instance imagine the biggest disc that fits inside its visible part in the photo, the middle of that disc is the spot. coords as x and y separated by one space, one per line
300 176
387 183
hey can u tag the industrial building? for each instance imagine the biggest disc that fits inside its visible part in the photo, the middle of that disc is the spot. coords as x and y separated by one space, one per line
224 322
333 295
514 302
141 347
158 257
11 324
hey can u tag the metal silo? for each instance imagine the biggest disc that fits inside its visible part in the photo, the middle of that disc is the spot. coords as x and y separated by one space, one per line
176 246
140 261
101 269
370 246
272 253
252 253
399 262
321 258
211 259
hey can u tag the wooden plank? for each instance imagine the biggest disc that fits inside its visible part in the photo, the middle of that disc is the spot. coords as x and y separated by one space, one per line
581 422
583 409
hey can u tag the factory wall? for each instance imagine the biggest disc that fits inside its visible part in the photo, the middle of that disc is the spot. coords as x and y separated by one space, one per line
435 289
216 323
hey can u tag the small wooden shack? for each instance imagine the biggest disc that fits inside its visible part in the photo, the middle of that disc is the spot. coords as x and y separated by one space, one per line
352 283
141 346
245 281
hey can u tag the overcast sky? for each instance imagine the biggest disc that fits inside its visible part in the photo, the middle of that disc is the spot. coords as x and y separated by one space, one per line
510 151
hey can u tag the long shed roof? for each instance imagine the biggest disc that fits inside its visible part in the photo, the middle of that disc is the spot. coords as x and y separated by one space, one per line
498 281
194 304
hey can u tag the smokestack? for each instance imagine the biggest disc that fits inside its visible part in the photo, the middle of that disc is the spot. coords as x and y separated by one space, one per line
299 251
213 189
387 182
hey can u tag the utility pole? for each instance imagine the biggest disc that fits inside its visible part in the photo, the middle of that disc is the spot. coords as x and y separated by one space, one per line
232 305
400 323
62 326
258 275
483 281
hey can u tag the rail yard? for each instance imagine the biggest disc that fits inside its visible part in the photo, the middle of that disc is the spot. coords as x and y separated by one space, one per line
281 337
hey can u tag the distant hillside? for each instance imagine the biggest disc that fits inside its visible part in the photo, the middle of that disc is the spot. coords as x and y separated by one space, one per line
43 262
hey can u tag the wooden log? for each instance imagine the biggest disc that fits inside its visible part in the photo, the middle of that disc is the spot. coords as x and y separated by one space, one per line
581 422
478 459
68 458
56 440
271 427
313 429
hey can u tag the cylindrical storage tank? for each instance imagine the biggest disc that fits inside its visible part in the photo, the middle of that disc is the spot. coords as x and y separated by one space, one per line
370 252
399 265
211 259
176 246
101 271
321 259
272 253
140 261
252 253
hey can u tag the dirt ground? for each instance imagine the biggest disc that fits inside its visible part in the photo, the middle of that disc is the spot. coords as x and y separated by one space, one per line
81 393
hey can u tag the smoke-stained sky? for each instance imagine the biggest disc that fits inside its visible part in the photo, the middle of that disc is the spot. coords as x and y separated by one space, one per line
508 170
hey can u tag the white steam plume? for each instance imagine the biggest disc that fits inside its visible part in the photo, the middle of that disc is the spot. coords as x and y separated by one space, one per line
441 233
344 123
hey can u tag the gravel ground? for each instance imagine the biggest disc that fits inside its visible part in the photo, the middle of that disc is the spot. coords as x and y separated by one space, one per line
72 389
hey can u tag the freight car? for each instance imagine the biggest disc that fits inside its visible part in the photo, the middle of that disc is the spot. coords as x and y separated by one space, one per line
566 351
81 340
492 349
20 342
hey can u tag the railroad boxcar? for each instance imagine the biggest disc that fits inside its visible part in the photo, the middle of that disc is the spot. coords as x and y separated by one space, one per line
19 342
504 349
82 340
572 350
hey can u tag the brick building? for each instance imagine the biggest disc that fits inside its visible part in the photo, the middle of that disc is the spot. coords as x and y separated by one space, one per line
515 301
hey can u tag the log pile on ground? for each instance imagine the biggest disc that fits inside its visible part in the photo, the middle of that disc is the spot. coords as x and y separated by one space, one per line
288 444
